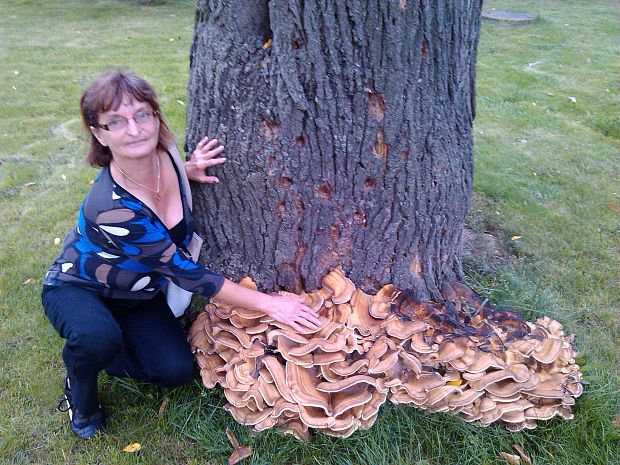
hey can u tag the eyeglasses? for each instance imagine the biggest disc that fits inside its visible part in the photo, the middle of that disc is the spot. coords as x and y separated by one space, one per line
118 123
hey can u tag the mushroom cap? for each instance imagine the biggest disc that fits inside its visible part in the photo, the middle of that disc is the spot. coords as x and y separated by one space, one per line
402 329
302 384
285 346
278 373
346 368
439 393
487 404
327 358
386 294
315 417
340 287
411 362
387 361
507 388
347 399
462 398
482 362
549 350
346 383
245 416
449 351
364 322
239 334
337 342
419 345
296 428
379 309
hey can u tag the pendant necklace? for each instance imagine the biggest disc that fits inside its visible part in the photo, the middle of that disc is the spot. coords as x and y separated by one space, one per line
155 192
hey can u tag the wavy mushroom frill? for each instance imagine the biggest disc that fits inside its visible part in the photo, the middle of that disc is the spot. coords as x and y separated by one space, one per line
462 356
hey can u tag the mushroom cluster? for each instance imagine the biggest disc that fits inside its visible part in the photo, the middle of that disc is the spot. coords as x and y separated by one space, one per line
462 356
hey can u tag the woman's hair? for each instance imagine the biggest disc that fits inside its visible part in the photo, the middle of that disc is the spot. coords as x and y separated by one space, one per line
106 93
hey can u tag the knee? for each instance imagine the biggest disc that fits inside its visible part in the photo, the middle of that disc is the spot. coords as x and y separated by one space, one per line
174 372
99 344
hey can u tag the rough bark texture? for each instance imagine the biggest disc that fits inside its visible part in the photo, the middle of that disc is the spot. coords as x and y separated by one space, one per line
347 125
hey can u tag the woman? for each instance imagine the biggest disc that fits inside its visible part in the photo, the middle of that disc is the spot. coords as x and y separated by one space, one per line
104 293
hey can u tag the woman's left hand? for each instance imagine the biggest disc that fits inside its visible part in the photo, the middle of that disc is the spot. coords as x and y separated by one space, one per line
203 157
292 311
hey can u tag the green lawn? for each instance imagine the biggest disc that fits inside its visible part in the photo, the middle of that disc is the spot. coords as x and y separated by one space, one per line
547 169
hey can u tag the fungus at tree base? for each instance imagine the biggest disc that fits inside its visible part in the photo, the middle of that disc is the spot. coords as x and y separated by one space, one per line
461 356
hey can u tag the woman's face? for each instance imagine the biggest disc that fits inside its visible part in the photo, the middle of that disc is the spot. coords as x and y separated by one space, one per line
130 132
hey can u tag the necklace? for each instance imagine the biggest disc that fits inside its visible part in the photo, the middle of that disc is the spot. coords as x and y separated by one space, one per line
155 192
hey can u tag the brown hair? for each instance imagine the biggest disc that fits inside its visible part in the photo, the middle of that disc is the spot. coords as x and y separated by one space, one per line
106 93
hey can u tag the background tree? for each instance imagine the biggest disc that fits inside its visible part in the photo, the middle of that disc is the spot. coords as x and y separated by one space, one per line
347 126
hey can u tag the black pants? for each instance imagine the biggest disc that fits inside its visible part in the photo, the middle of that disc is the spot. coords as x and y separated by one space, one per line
140 339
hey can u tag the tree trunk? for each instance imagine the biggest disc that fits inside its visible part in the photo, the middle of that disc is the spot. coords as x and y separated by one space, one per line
347 128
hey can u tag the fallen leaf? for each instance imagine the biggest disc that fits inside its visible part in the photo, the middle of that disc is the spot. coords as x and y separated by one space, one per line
133 447
91 182
64 177
550 94
522 453
29 184
57 240
534 103
16 72
30 281
514 238
510 458
171 39
616 421
232 438
181 102
573 99
613 206
239 452
267 44
456 382
162 407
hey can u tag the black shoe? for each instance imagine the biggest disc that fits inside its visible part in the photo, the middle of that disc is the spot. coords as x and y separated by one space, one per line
84 426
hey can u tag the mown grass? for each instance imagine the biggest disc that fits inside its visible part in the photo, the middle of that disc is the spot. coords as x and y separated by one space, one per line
546 170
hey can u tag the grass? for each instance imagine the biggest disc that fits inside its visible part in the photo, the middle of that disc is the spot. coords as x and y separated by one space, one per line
546 153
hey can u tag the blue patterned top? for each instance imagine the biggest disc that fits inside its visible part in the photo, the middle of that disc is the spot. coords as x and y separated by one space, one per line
121 249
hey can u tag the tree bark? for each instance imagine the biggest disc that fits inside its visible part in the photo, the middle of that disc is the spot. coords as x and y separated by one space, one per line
347 127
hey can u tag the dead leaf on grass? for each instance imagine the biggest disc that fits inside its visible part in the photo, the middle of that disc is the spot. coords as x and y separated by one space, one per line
510 458
573 99
239 452
29 184
57 240
613 206
162 407
514 238
522 453
30 281
616 421
133 447
266 44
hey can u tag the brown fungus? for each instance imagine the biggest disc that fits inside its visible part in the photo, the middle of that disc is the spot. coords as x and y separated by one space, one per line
490 367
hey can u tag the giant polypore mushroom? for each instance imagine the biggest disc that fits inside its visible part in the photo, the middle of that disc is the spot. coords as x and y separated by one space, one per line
462 356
